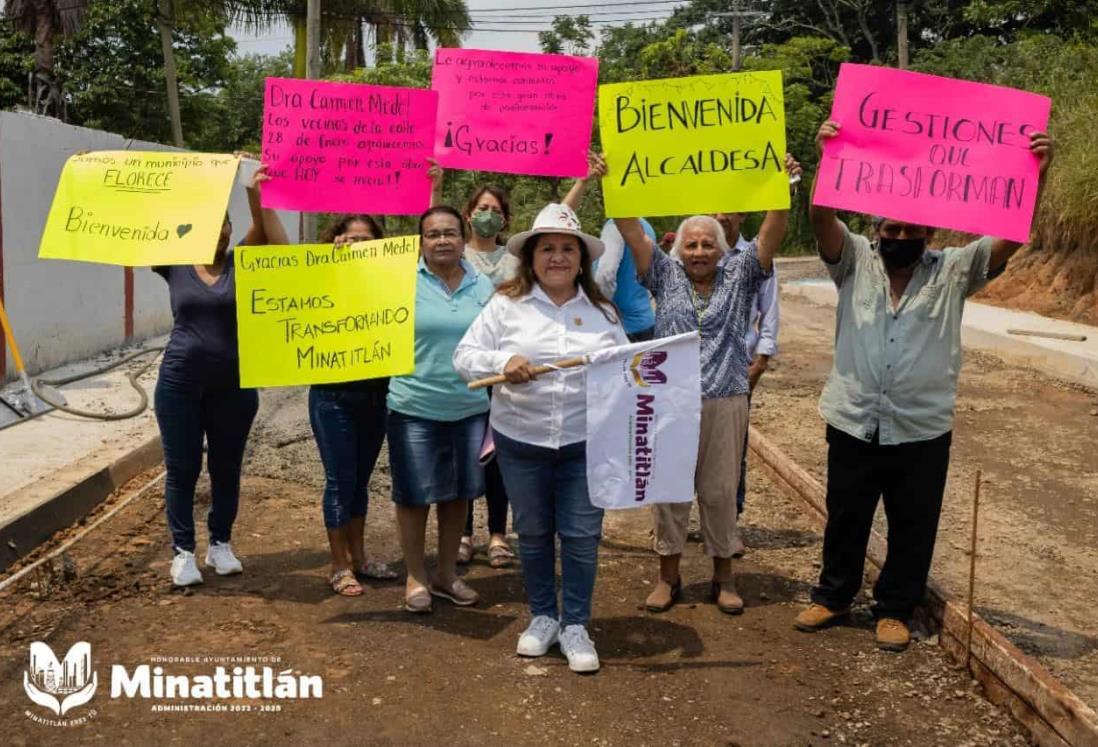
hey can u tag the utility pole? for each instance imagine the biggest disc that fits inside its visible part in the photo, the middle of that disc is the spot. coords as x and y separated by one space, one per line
901 35
164 22
737 54
312 72
738 17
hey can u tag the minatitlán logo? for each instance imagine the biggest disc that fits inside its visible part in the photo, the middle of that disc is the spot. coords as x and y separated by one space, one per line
63 685
646 368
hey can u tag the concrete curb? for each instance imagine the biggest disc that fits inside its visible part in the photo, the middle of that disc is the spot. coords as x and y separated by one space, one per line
1054 715
27 531
1054 358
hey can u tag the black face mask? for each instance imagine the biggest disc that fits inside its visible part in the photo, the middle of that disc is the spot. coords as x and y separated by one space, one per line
900 253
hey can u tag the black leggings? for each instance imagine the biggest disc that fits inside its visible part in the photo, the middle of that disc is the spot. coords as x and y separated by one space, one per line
496 496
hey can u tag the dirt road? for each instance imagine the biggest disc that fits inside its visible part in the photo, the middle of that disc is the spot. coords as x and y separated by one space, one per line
689 677
1036 441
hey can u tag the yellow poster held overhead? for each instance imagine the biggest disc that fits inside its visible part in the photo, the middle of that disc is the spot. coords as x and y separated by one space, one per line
324 314
704 144
134 208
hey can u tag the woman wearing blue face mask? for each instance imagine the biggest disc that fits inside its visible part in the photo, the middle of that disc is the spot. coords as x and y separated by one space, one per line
488 213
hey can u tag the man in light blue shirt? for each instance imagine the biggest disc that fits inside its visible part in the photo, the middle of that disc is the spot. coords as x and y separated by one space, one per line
889 400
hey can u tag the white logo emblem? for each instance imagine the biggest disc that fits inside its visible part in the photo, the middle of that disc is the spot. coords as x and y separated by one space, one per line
60 686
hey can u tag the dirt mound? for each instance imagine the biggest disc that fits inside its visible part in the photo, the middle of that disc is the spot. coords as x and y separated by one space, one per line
1059 284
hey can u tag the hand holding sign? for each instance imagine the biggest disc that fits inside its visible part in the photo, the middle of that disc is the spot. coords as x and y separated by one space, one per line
933 151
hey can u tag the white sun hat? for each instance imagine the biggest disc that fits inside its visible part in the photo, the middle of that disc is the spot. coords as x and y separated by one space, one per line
556 218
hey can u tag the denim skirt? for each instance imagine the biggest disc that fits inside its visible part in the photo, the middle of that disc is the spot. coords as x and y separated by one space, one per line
434 461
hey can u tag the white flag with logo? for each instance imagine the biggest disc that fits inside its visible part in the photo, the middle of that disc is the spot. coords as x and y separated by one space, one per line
643 422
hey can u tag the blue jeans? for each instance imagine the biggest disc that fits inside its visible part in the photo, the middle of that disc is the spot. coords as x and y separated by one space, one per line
349 426
548 492
185 414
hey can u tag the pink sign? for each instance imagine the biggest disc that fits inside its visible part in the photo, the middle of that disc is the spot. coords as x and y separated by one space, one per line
933 151
347 147
514 113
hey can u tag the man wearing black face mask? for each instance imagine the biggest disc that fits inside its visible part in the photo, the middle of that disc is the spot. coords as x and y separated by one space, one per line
889 401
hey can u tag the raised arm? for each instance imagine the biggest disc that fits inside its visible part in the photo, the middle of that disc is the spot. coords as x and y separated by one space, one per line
596 169
1040 144
772 231
606 273
266 228
826 226
642 247
437 176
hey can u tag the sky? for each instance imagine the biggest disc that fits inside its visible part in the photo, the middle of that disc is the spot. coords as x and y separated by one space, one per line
501 24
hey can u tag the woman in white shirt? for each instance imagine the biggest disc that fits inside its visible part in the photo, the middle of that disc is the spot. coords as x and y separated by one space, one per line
551 310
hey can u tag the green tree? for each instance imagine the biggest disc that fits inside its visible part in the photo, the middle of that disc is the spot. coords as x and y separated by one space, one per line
16 62
235 119
568 35
396 23
113 70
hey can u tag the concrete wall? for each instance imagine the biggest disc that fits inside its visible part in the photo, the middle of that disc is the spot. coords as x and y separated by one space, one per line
63 311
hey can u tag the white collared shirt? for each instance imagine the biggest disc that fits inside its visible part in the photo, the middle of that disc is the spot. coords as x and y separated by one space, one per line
551 411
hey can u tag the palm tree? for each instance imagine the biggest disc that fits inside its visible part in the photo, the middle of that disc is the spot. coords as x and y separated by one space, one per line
397 22
45 20
415 22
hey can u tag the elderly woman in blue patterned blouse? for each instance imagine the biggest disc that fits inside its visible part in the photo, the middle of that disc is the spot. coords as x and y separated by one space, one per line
703 286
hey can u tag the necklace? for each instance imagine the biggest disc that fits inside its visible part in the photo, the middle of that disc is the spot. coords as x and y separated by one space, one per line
700 301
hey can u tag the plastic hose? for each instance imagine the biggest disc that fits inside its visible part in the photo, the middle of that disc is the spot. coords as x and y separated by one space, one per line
44 394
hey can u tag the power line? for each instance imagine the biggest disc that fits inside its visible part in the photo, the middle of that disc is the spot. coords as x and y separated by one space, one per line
584 5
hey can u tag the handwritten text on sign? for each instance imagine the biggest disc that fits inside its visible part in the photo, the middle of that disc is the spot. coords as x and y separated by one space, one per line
514 113
933 151
322 314
346 147
139 208
704 144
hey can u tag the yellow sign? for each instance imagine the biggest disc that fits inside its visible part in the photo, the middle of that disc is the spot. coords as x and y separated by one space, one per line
322 314
684 146
121 207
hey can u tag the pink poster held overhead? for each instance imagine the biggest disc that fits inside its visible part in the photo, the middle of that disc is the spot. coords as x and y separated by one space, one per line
934 151
513 112
347 147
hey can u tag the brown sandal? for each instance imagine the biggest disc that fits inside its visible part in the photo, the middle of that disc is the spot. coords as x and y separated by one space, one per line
344 583
500 555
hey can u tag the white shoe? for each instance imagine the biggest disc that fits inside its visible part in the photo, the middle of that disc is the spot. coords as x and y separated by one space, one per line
538 637
185 570
220 556
577 647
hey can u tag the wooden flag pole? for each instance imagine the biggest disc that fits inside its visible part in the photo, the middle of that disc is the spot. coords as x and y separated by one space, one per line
972 571
500 378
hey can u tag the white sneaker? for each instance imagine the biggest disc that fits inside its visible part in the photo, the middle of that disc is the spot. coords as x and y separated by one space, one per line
220 556
538 636
577 647
185 570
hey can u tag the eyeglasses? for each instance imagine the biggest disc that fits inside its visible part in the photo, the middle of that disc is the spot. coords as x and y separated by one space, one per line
436 235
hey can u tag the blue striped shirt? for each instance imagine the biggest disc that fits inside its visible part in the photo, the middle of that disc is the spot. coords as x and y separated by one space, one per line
724 359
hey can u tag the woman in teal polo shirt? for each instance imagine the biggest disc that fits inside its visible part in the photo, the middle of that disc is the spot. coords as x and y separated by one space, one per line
436 424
